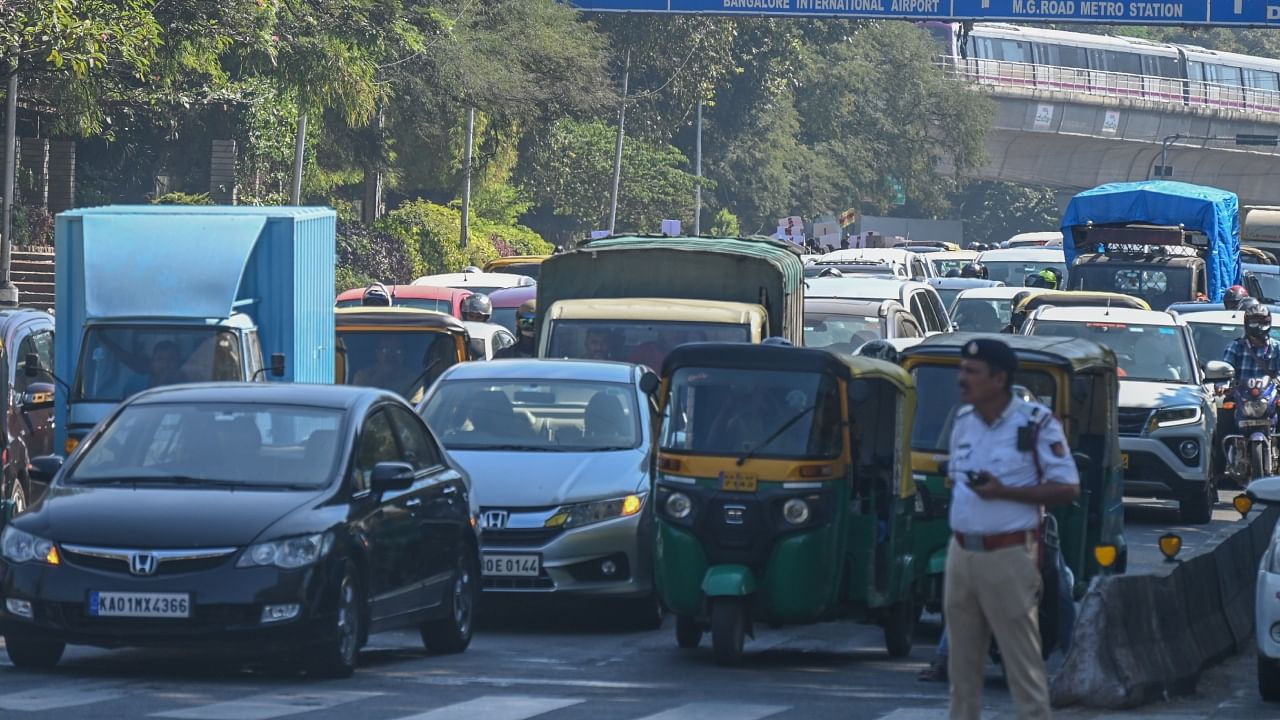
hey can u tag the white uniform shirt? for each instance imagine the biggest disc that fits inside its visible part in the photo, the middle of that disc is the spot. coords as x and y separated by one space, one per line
976 446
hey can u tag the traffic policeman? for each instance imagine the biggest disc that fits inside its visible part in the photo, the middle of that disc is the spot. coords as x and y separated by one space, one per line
1008 460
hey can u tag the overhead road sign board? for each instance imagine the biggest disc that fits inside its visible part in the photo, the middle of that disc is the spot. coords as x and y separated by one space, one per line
1238 13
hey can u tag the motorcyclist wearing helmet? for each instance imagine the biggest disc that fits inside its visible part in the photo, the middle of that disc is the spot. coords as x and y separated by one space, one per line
1233 296
527 343
477 308
376 295
1257 353
974 270
1047 278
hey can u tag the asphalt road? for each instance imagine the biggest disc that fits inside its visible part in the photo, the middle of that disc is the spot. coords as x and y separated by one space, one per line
540 660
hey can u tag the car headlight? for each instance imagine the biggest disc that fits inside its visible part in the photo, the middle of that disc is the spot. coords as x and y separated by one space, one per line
571 516
1255 408
289 553
1173 417
18 547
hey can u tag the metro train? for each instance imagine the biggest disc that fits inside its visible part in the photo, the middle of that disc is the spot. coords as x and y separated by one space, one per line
1112 65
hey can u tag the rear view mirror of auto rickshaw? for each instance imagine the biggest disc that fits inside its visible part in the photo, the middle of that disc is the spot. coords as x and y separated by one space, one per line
1076 379
782 494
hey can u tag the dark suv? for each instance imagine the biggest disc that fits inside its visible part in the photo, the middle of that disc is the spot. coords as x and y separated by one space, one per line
29 419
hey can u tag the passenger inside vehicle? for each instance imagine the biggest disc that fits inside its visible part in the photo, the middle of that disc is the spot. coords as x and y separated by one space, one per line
978 317
604 423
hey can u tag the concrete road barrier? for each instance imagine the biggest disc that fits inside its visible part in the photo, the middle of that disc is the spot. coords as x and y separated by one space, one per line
1139 638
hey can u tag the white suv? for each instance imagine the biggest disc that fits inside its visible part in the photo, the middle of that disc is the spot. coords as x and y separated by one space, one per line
1267 608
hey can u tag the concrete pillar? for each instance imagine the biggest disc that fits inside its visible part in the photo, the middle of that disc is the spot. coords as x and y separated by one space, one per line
62 175
222 172
33 169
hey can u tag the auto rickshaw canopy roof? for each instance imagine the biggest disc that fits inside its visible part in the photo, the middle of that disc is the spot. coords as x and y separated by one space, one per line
1068 353
1076 298
396 318
783 358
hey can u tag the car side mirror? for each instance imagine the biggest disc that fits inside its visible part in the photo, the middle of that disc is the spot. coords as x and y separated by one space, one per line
31 365
38 396
475 346
42 469
388 476
1265 490
1217 371
649 383
277 364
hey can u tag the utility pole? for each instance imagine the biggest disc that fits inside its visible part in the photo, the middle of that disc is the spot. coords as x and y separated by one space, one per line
697 173
9 292
617 155
299 152
466 179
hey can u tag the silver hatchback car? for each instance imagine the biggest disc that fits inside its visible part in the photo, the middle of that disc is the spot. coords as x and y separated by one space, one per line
560 454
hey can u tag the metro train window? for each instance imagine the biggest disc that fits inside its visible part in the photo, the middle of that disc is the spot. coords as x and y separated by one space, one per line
1122 62
1160 66
1195 70
1224 75
1262 80
1061 56
1014 51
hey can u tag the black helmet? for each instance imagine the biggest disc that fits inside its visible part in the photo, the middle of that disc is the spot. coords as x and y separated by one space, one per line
477 307
953 273
1257 321
1234 295
974 270
376 295
830 272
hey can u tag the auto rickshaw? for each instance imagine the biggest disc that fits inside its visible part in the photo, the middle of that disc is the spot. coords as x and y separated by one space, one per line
782 493
396 348
518 264
1023 306
1076 379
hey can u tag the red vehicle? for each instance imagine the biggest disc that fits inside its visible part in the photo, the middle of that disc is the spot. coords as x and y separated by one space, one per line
421 297
507 301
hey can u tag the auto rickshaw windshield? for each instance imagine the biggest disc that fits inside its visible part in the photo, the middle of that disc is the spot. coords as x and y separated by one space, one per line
932 429
764 413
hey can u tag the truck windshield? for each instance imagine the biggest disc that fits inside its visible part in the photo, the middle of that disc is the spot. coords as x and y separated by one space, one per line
119 361
1160 287
1155 353
723 411
639 342
402 361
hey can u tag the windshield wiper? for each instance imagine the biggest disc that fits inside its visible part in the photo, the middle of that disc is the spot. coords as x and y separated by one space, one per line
602 448
514 448
776 433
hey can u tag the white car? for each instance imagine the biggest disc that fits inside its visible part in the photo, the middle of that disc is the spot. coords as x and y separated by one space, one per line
916 265
921 299
1011 266
944 261
480 282
1267 605
1035 239
487 338
1167 413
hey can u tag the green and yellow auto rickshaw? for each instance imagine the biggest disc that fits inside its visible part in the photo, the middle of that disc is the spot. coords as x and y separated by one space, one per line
783 493
1076 379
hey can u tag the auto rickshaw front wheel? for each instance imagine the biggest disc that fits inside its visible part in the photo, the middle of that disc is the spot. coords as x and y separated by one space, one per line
728 629
688 632
900 629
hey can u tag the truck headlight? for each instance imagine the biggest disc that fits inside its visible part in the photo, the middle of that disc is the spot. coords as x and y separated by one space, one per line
287 554
1174 417
571 516
18 547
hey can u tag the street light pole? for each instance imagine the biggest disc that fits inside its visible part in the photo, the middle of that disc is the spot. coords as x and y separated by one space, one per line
299 152
9 292
466 179
617 155
1164 155
697 173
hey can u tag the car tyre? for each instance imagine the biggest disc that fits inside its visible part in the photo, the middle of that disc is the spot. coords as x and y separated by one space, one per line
1197 508
1269 678
28 651
688 632
337 657
728 629
452 633
900 629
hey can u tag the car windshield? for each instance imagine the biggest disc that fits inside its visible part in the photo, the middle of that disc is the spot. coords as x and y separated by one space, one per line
1211 339
1159 287
1143 352
444 306
1014 273
768 413
842 333
218 444
945 266
1270 285
117 362
406 362
932 430
639 342
534 415
948 295
982 315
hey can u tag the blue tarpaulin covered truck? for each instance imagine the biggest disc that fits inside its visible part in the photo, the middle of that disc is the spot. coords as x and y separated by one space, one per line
165 294
1163 241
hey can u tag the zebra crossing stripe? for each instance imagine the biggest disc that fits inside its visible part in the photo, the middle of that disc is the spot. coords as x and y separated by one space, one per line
63 695
268 705
718 711
496 707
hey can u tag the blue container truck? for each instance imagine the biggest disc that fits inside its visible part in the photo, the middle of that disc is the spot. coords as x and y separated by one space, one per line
165 294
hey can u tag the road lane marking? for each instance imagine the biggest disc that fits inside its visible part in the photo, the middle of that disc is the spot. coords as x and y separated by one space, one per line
268 705
718 711
64 695
459 680
495 707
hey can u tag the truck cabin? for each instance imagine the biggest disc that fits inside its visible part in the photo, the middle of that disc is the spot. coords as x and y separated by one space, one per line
1159 264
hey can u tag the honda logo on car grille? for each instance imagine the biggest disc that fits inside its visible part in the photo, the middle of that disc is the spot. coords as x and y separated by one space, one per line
142 564
494 519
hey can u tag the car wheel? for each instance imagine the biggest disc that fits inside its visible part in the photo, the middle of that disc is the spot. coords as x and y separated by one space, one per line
336 657
1269 678
29 651
452 633
1197 508
688 632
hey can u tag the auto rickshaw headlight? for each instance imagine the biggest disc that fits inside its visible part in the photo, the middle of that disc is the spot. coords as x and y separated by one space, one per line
795 511
679 505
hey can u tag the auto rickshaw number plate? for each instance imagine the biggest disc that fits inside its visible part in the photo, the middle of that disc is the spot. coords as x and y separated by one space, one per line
1124 460
739 482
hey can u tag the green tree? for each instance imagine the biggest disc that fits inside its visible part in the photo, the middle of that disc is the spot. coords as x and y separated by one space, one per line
996 211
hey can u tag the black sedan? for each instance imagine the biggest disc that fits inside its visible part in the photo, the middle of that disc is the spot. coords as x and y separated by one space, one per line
286 519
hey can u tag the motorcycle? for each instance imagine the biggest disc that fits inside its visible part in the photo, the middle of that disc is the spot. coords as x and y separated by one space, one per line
1251 451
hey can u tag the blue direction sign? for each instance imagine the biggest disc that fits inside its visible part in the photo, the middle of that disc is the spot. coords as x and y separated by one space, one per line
907 9
1149 12
1245 12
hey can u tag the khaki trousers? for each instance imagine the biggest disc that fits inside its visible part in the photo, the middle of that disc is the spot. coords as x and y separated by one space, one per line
995 592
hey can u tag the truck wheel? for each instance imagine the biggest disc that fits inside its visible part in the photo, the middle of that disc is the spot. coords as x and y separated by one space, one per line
688 632
1269 679
28 650
900 629
1197 508
728 629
